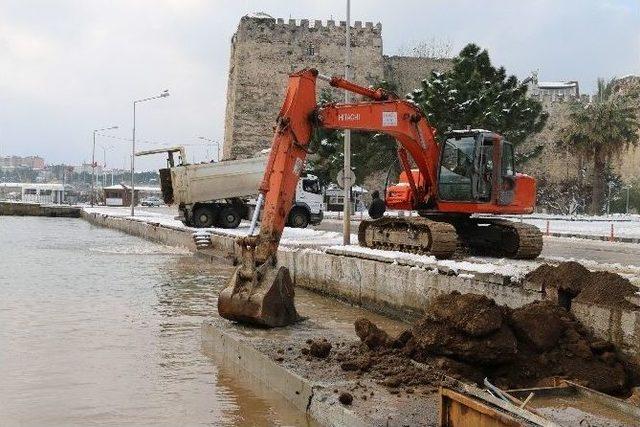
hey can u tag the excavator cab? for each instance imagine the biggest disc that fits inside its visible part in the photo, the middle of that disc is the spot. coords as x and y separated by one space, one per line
474 165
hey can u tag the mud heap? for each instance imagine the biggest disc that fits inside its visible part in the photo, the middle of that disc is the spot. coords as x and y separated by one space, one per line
469 337
573 281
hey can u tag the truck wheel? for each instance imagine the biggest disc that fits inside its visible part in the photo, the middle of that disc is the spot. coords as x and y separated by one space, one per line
229 218
298 218
204 217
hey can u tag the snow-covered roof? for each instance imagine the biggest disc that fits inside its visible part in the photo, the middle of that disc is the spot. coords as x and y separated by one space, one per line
39 186
468 131
557 85
138 187
259 15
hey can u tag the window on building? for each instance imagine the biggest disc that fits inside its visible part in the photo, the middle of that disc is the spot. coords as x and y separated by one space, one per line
31 191
45 192
311 50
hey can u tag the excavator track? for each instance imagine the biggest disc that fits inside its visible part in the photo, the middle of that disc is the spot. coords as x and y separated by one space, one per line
499 238
413 235
441 236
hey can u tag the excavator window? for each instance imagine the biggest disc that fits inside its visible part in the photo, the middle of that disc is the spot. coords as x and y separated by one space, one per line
508 163
456 169
485 169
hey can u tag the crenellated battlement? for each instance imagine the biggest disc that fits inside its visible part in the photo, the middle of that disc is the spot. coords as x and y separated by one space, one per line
301 24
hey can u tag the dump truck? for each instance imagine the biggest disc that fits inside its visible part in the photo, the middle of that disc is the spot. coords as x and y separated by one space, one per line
221 194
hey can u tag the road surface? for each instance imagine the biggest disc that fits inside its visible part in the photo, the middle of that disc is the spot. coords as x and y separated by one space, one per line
555 247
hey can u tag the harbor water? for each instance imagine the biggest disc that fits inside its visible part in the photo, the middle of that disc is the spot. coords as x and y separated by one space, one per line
101 328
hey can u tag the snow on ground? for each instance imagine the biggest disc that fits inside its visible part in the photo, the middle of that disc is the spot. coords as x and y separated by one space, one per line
591 226
290 236
515 269
145 215
332 241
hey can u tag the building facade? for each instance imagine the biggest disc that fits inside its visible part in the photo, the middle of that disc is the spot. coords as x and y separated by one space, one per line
556 164
31 162
265 50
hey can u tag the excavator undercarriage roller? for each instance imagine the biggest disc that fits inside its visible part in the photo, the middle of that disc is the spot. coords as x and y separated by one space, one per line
499 238
441 236
415 235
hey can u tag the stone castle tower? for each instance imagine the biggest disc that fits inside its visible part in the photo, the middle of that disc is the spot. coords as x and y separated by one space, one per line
265 50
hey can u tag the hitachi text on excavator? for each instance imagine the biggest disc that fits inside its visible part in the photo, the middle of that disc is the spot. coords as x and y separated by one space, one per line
455 186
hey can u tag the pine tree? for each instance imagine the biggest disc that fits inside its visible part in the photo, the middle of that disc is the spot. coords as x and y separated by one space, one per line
477 94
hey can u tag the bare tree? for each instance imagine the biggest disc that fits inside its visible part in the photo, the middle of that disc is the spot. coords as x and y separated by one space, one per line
431 48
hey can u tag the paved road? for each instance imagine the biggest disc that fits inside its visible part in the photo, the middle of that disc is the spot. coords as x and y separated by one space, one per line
556 247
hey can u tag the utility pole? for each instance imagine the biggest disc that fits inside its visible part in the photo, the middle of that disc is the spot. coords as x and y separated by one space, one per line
133 147
346 227
628 190
93 163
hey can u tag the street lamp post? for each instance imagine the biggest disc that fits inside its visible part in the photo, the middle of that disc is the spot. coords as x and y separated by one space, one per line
133 146
346 225
217 144
93 163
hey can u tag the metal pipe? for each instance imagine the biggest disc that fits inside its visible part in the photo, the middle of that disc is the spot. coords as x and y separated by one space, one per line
256 214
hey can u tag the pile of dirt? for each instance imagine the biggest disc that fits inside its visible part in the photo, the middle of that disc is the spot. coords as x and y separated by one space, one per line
470 337
605 288
574 280
319 348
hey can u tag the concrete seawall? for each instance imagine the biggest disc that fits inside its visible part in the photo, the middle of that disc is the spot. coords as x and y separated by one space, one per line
385 286
36 209
389 287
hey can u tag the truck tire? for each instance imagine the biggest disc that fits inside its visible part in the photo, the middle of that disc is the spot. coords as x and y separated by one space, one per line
204 217
298 218
229 217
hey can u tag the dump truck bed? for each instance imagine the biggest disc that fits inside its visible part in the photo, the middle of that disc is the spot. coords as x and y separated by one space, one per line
215 181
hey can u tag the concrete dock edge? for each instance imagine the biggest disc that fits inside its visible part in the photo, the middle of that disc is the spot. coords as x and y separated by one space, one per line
303 394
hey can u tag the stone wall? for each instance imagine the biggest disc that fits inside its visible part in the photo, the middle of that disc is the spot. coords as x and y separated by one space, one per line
264 51
408 72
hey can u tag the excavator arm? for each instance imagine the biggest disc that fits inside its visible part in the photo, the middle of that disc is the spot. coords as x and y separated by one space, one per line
259 293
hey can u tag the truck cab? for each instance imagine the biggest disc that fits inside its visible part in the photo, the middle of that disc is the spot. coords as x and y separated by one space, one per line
308 206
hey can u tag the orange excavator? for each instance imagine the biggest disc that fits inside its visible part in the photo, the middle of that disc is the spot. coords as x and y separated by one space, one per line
454 186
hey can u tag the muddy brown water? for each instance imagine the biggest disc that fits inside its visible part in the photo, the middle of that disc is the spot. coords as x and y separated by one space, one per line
98 327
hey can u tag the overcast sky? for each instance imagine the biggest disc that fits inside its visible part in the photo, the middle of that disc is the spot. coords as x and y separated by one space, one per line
68 67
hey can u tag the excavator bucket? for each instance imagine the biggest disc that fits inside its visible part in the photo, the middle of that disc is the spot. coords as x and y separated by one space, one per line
260 295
